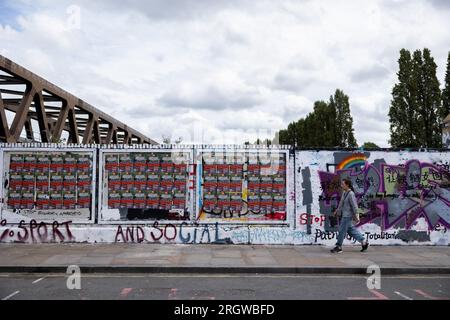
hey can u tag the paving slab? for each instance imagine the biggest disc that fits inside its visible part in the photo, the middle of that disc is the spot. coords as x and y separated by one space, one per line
221 258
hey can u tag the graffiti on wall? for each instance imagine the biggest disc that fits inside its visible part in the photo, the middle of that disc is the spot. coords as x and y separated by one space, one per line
389 194
244 196
169 233
36 232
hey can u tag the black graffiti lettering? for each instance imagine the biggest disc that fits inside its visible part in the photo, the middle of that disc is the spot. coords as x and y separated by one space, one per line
42 237
119 232
230 213
182 237
40 231
155 226
5 233
33 225
140 235
324 235
440 228
174 234
129 234
195 235
132 234
205 231
217 238
67 225
381 236
318 235
56 232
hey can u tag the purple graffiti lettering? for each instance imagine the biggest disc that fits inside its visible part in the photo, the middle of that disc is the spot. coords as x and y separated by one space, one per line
395 194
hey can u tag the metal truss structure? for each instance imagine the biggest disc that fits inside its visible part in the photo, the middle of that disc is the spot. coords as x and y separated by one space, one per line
28 101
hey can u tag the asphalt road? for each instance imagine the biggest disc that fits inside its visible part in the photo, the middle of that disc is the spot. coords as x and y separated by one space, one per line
226 287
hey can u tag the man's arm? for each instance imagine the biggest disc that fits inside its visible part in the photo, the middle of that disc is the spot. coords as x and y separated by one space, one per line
341 203
354 204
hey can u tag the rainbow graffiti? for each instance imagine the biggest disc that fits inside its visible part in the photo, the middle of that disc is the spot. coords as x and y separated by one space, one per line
353 161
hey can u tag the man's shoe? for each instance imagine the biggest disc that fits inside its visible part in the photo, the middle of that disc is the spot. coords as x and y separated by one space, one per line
336 250
365 246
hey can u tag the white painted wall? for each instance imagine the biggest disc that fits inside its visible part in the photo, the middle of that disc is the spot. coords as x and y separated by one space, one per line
293 233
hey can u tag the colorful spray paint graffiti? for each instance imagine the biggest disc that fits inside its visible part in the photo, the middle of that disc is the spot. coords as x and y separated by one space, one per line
390 195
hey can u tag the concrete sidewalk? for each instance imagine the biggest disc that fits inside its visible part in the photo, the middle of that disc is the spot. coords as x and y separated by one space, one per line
164 258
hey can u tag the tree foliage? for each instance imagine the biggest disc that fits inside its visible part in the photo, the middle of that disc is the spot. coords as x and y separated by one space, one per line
369 145
416 111
446 91
330 124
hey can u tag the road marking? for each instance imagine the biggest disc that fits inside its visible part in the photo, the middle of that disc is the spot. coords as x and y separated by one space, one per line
11 295
403 296
378 296
36 281
426 295
125 292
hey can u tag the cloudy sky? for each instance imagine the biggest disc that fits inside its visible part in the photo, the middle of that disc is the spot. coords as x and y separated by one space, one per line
217 71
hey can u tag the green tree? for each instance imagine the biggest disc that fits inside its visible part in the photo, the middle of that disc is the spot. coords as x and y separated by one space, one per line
446 91
344 136
320 127
403 109
292 134
282 137
321 130
300 132
369 145
416 111
430 106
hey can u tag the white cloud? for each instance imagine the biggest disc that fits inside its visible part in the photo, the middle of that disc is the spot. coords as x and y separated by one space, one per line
224 90
226 71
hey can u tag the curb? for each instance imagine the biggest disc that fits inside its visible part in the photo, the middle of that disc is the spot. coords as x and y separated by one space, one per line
224 270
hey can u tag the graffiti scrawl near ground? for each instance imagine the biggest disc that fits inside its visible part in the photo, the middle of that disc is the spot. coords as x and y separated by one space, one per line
37 232
184 233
